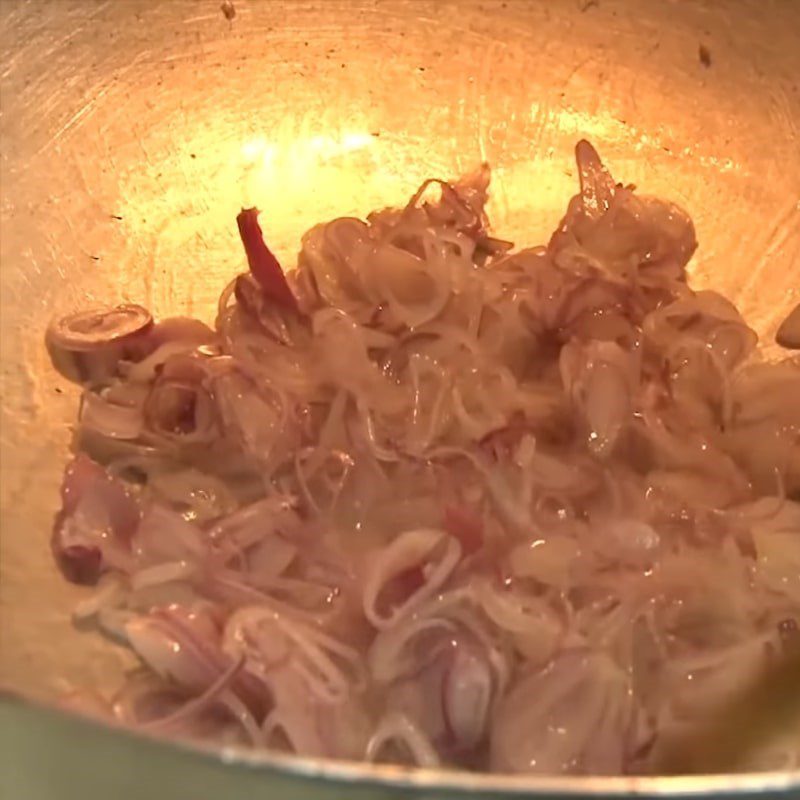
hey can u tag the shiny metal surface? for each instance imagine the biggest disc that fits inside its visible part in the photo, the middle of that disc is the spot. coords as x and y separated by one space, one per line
87 761
132 132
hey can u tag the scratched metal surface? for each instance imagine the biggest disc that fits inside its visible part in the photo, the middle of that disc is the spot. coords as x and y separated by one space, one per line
133 131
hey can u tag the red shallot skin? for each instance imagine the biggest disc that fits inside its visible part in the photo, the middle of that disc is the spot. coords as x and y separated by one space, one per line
263 264
411 569
465 525
275 319
79 563
98 514
428 500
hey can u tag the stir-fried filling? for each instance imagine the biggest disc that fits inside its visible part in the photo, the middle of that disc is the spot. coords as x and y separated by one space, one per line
431 500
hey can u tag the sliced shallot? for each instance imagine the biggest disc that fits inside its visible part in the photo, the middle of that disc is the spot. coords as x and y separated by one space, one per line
788 334
87 346
422 560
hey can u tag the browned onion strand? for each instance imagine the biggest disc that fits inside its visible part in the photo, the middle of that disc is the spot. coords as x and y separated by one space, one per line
526 511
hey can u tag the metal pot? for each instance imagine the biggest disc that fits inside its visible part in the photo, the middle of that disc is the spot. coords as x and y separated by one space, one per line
132 132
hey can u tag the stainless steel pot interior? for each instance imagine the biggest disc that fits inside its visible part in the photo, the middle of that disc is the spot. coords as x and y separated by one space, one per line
132 132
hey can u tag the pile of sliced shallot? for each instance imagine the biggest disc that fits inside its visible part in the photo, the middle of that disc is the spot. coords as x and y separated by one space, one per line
429 500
